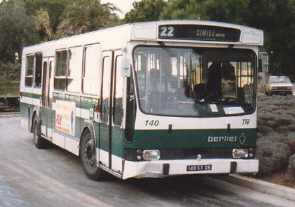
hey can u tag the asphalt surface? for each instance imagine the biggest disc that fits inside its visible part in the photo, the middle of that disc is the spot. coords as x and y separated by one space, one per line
54 177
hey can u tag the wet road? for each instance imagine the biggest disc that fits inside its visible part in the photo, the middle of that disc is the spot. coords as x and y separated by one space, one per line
53 177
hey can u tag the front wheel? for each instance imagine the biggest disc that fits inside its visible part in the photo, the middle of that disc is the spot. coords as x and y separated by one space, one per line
39 141
88 157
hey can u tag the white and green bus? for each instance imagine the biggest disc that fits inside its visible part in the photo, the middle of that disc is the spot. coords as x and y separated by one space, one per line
150 99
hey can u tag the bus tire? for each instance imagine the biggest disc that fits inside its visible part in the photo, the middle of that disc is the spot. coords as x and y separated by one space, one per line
88 157
39 141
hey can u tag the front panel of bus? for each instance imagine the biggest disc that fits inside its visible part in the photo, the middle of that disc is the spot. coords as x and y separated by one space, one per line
192 102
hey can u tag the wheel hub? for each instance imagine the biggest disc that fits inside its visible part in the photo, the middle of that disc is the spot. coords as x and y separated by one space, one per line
89 152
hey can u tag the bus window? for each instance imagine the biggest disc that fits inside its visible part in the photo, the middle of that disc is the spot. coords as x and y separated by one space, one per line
29 71
38 71
60 70
44 85
74 71
118 93
107 64
91 70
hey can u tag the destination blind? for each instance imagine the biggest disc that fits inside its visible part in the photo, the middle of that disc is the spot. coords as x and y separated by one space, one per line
199 32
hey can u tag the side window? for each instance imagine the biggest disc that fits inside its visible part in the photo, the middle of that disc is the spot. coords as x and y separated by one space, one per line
29 71
91 70
38 70
107 65
44 85
61 70
118 92
75 69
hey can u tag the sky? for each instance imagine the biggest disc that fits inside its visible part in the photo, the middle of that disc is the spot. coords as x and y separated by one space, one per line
123 5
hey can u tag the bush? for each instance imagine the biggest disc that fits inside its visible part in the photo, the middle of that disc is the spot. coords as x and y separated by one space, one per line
264 130
277 113
9 79
291 127
276 134
9 71
291 167
273 155
283 130
291 142
285 120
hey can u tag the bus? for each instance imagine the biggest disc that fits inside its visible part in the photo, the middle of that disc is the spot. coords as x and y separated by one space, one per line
151 99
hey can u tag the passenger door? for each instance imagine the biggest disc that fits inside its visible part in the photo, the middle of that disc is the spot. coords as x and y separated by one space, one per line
111 133
45 112
117 133
105 150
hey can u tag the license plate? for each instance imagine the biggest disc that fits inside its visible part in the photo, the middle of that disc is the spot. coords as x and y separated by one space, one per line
192 168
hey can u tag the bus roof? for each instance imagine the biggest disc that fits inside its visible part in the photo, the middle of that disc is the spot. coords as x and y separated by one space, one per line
149 31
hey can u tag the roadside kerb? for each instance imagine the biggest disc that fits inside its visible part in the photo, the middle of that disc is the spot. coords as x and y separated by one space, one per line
9 114
262 186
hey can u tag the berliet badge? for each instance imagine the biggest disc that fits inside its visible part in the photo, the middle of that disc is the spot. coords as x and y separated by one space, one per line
242 139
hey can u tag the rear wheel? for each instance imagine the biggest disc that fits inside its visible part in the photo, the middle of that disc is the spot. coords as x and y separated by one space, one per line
39 141
88 157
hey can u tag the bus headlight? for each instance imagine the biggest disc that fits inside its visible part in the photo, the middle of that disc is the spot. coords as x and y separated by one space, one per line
240 153
150 155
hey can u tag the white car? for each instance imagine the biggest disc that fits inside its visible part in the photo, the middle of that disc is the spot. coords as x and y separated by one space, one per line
280 85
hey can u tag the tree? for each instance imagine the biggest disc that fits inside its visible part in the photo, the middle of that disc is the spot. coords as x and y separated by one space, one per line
86 15
53 8
58 18
184 9
42 20
145 10
16 31
226 10
275 18
43 25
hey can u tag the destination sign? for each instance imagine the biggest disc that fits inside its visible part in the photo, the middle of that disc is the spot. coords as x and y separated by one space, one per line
199 32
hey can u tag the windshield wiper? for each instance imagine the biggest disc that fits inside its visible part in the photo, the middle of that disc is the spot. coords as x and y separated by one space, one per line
231 100
208 101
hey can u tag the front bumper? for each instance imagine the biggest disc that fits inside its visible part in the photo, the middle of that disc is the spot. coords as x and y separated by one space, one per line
179 167
280 91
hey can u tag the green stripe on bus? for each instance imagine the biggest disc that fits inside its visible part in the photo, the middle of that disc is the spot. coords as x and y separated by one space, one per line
178 139
188 139
31 95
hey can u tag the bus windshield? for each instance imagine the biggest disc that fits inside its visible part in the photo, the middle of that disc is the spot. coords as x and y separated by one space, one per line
176 81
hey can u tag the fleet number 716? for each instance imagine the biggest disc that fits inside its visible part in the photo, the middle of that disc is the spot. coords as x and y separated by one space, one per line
246 121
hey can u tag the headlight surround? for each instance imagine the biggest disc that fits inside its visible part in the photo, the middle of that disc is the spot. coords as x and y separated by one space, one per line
242 154
151 155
